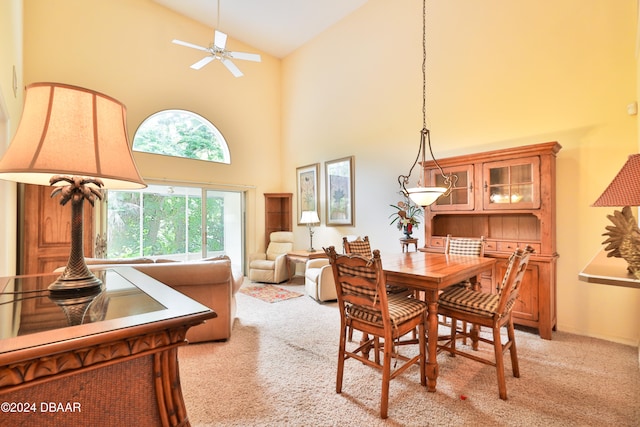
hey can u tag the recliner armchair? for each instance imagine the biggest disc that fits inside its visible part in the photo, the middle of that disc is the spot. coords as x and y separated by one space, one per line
318 280
271 267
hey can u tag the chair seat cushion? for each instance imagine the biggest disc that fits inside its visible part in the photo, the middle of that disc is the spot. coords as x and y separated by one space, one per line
401 309
464 299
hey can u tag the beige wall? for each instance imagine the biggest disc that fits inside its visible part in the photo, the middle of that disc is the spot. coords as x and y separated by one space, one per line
499 74
123 48
10 109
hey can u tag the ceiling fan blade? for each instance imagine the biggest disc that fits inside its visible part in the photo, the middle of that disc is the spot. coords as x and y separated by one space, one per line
245 56
204 61
220 40
191 45
232 67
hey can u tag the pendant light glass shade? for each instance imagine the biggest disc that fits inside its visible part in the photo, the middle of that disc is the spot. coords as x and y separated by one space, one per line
425 196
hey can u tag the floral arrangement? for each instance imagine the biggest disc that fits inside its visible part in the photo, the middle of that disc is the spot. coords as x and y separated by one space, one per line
406 216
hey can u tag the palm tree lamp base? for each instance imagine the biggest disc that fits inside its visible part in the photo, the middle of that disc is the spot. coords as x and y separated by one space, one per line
76 275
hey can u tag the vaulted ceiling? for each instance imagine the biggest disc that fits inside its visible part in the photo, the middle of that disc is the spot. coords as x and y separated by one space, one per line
277 27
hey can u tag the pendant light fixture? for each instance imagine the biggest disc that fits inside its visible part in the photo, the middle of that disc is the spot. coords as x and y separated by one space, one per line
425 196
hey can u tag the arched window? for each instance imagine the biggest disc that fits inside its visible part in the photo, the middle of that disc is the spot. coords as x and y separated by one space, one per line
181 133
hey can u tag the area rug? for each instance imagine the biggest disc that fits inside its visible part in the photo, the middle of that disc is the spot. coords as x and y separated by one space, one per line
269 293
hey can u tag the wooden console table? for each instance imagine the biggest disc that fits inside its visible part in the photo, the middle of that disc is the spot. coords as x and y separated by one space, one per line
610 271
105 358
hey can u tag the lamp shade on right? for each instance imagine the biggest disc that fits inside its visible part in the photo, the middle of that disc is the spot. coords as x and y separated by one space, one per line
624 190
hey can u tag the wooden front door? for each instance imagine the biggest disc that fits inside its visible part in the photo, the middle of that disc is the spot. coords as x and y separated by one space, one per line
46 230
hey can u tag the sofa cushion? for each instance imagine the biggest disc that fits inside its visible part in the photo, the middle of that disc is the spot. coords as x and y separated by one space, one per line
262 264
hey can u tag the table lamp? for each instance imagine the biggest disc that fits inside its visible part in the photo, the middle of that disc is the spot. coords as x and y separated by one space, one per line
74 139
623 236
309 218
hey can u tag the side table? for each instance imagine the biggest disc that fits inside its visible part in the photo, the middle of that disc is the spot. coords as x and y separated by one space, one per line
301 256
610 271
406 242
123 336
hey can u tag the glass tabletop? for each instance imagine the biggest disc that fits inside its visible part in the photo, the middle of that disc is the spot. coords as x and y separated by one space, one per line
27 306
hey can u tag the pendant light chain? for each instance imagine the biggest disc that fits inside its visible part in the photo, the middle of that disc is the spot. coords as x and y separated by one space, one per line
450 179
424 65
427 195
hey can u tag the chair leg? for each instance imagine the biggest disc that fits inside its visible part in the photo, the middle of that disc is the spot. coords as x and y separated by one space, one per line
422 342
366 349
497 347
512 349
341 355
454 330
464 331
386 378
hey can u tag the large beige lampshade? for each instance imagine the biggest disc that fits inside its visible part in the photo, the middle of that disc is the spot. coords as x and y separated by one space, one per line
69 130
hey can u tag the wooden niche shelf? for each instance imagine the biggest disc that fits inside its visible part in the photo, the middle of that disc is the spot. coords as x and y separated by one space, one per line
508 196
278 213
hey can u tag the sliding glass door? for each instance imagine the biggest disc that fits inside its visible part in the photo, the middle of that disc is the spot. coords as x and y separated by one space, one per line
175 222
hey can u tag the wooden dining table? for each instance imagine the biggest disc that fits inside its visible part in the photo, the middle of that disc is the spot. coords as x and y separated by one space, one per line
430 273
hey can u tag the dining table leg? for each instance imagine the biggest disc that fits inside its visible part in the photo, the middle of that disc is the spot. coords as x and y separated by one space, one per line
432 342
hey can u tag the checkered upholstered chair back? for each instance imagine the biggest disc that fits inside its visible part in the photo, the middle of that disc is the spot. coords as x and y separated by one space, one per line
365 306
357 246
510 287
464 246
360 280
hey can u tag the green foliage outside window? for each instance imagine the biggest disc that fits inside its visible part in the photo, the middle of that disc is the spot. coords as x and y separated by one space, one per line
163 221
181 133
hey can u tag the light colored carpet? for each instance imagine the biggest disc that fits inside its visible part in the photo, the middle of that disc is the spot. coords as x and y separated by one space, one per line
279 368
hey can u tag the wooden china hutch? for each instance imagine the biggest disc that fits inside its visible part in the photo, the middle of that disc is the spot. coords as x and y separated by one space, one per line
509 197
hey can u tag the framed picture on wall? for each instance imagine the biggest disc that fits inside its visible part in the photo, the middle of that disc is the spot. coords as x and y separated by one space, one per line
339 186
308 191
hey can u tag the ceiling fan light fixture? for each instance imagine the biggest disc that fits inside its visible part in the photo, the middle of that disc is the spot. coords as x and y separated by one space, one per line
218 50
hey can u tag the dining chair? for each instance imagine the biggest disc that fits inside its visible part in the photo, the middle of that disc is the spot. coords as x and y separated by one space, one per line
365 305
468 247
490 310
362 246
359 245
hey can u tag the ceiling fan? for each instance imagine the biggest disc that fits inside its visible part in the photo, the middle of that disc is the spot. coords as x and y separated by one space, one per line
217 50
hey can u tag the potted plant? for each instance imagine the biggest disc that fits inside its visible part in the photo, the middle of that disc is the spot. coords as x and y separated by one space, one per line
406 216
